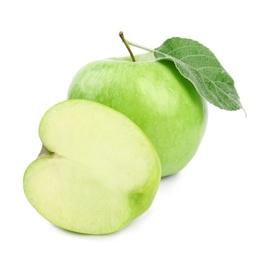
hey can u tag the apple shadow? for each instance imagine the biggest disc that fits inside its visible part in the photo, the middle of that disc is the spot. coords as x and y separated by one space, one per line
171 178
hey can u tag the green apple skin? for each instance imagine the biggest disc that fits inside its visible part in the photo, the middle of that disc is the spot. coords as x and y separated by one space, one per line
155 96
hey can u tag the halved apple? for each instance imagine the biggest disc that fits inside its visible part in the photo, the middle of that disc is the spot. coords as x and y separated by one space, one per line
96 172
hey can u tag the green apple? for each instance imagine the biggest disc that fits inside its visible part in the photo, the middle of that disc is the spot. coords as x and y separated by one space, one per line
155 96
97 170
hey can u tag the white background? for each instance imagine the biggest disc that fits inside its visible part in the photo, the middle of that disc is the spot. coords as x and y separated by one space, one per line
216 208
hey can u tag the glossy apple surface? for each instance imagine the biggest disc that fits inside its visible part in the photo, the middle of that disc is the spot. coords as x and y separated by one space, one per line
155 96
97 170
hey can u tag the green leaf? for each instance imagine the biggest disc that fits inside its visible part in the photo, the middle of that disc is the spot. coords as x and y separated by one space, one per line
200 66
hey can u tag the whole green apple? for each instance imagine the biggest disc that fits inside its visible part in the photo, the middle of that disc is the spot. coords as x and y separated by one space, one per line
155 96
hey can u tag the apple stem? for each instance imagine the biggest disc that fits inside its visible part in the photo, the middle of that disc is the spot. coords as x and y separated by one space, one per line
127 45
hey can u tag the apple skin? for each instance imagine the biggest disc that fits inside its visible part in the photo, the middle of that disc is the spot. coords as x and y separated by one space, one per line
155 96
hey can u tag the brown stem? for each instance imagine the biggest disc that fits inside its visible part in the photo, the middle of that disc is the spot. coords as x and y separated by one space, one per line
127 45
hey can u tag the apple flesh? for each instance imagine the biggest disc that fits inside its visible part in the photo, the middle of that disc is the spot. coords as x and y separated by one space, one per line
97 170
155 96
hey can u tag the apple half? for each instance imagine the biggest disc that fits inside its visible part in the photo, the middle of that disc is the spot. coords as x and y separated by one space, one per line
96 172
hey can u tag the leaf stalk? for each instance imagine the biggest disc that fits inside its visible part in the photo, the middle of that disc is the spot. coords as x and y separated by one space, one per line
140 46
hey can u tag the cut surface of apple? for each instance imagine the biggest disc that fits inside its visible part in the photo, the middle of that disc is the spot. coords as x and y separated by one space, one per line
97 170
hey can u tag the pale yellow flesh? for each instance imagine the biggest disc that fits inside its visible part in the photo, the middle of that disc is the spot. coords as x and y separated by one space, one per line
103 171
